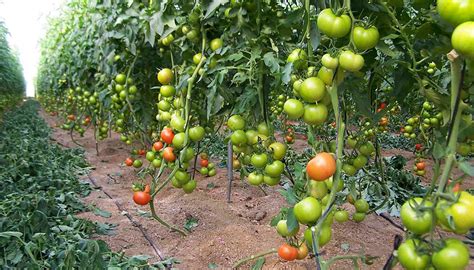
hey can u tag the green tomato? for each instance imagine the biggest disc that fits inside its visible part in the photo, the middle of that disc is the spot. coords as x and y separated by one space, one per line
341 216
282 229
329 62
332 25
278 150
307 211
164 105
150 156
120 78
255 179
365 39
361 206
463 38
312 89
299 59
367 149
350 61
360 161
315 114
263 129
236 122
271 181
293 108
349 169
275 169
182 177
167 90
137 163
358 217
204 170
156 163
259 160
416 221
212 172
324 236
456 11
326 75
196 133
177 122
216 44
317 189
238 138
197 58
178 140
189 186
410 257
453 256
252 137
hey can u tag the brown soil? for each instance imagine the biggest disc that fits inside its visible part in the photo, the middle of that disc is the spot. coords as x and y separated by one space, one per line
226 232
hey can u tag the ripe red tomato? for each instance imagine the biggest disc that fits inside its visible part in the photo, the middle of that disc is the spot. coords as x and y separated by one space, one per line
157 146
167 135
168 154
418 146
287 252
321 167
204 162
129 161
141 197
420 165
141 152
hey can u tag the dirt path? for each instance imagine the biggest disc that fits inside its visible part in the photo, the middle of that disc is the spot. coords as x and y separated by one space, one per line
225 232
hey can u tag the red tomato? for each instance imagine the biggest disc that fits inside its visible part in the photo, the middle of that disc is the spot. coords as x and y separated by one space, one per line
168 154
420 165
167 135
418 146
141 152
71 117
157 146
141 198
129 162
204 162
287 252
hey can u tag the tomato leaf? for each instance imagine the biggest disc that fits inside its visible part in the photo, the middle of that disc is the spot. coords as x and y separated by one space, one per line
438 151
212 6
291 221
467 168
259 264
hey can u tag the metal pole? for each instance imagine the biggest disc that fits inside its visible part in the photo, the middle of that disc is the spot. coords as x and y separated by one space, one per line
230 170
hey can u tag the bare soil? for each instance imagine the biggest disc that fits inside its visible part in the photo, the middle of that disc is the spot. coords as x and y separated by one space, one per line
226 232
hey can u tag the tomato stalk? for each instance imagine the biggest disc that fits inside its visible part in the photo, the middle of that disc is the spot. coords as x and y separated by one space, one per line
253 257
182 152
456 84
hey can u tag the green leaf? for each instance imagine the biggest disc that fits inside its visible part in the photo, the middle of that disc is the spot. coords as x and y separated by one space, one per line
271 62
102 213
467 168
213 5
259 264
212 266
438 151
11 234
287 73
315 36
291 221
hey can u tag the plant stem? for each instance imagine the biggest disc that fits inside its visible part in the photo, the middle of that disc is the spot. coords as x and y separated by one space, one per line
253 257
166 224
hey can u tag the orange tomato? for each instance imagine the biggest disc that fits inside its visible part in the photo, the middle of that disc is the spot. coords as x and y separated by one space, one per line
321 167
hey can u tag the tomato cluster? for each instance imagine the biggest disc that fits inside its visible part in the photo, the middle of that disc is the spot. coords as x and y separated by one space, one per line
420 216
207 168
